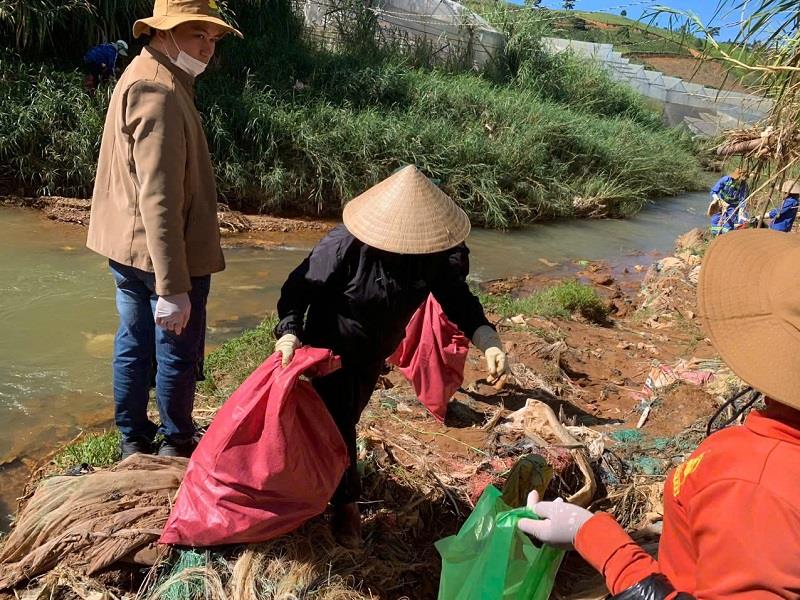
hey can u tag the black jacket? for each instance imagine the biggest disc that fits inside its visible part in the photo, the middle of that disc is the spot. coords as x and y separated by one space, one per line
359 299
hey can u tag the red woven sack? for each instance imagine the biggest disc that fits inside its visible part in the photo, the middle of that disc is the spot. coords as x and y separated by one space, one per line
270 460
432 357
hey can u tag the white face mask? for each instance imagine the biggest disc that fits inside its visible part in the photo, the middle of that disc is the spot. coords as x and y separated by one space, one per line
187 63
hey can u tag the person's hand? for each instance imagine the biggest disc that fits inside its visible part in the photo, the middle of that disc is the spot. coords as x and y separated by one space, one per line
486 339
172 312
560 521
286 345
716 198
495 362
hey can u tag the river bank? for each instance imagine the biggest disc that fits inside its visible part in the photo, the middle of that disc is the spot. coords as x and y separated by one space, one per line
422 476
54 289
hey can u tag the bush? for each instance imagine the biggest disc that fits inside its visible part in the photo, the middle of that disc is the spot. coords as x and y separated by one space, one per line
559 301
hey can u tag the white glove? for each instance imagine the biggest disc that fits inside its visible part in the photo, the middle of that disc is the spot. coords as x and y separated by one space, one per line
716 198
172 312
487 340
560 521
286 346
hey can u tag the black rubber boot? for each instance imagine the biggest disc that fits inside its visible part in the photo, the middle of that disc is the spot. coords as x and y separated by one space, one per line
134 446
172 448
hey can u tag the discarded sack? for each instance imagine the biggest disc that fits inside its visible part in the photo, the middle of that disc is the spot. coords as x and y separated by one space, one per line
491 559
432 357
270 460
91 521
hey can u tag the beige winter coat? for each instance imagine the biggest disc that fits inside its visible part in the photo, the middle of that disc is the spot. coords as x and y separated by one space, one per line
154 205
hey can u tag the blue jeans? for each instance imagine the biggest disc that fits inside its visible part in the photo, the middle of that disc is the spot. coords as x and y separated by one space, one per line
140 347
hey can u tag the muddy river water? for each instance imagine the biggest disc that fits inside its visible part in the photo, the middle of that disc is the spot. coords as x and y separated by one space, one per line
57 317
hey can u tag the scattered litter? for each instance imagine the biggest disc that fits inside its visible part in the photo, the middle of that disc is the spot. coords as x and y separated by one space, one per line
91 521
539 423
402 407
643 418
661 377
627 436
669 263
592 440
649 465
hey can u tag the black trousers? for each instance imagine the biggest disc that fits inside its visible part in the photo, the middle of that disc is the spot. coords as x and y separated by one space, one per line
346 393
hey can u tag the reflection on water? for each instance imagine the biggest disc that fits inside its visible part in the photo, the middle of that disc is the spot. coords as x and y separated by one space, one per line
57 317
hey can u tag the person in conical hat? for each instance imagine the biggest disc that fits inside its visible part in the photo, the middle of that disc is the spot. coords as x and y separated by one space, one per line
154 216
732 508
401 240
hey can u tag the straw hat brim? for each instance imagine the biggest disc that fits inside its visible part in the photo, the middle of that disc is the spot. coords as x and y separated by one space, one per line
406 214
165 23
743 288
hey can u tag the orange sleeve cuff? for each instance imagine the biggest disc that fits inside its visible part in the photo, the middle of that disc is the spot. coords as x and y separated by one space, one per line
605 545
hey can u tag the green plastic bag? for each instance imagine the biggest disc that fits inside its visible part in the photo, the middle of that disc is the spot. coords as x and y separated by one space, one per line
490 559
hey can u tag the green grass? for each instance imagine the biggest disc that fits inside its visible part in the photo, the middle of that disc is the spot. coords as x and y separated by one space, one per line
511 146
95 449
233 362
561 301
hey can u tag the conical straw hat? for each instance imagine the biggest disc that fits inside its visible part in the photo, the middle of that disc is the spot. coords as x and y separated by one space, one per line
406 214
749 304
792 186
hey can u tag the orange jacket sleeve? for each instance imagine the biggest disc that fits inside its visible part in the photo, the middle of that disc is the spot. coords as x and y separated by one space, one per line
605 545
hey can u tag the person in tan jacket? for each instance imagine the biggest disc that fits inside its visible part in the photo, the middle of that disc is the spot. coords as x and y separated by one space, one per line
154 215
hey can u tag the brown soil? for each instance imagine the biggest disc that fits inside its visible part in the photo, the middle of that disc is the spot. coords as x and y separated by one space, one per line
695 70
237 228
423 477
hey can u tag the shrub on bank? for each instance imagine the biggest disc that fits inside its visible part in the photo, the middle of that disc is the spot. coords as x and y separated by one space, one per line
558 301
297 129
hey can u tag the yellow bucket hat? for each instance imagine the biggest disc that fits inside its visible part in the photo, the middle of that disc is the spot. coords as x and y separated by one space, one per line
749 303
168 14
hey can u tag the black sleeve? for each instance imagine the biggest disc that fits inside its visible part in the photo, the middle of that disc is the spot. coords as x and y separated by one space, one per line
318 271
654 587
450 289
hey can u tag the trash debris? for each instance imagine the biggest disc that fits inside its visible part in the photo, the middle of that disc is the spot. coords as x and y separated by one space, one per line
592 440
531 472
538 421
669 263
91 521
626 436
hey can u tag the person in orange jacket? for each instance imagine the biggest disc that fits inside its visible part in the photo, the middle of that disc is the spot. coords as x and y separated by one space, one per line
732 510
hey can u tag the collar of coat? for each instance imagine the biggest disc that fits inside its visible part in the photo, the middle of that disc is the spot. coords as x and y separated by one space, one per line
179 74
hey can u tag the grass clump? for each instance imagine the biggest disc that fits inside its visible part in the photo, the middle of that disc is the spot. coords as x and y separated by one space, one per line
233 362
97 450
559 301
